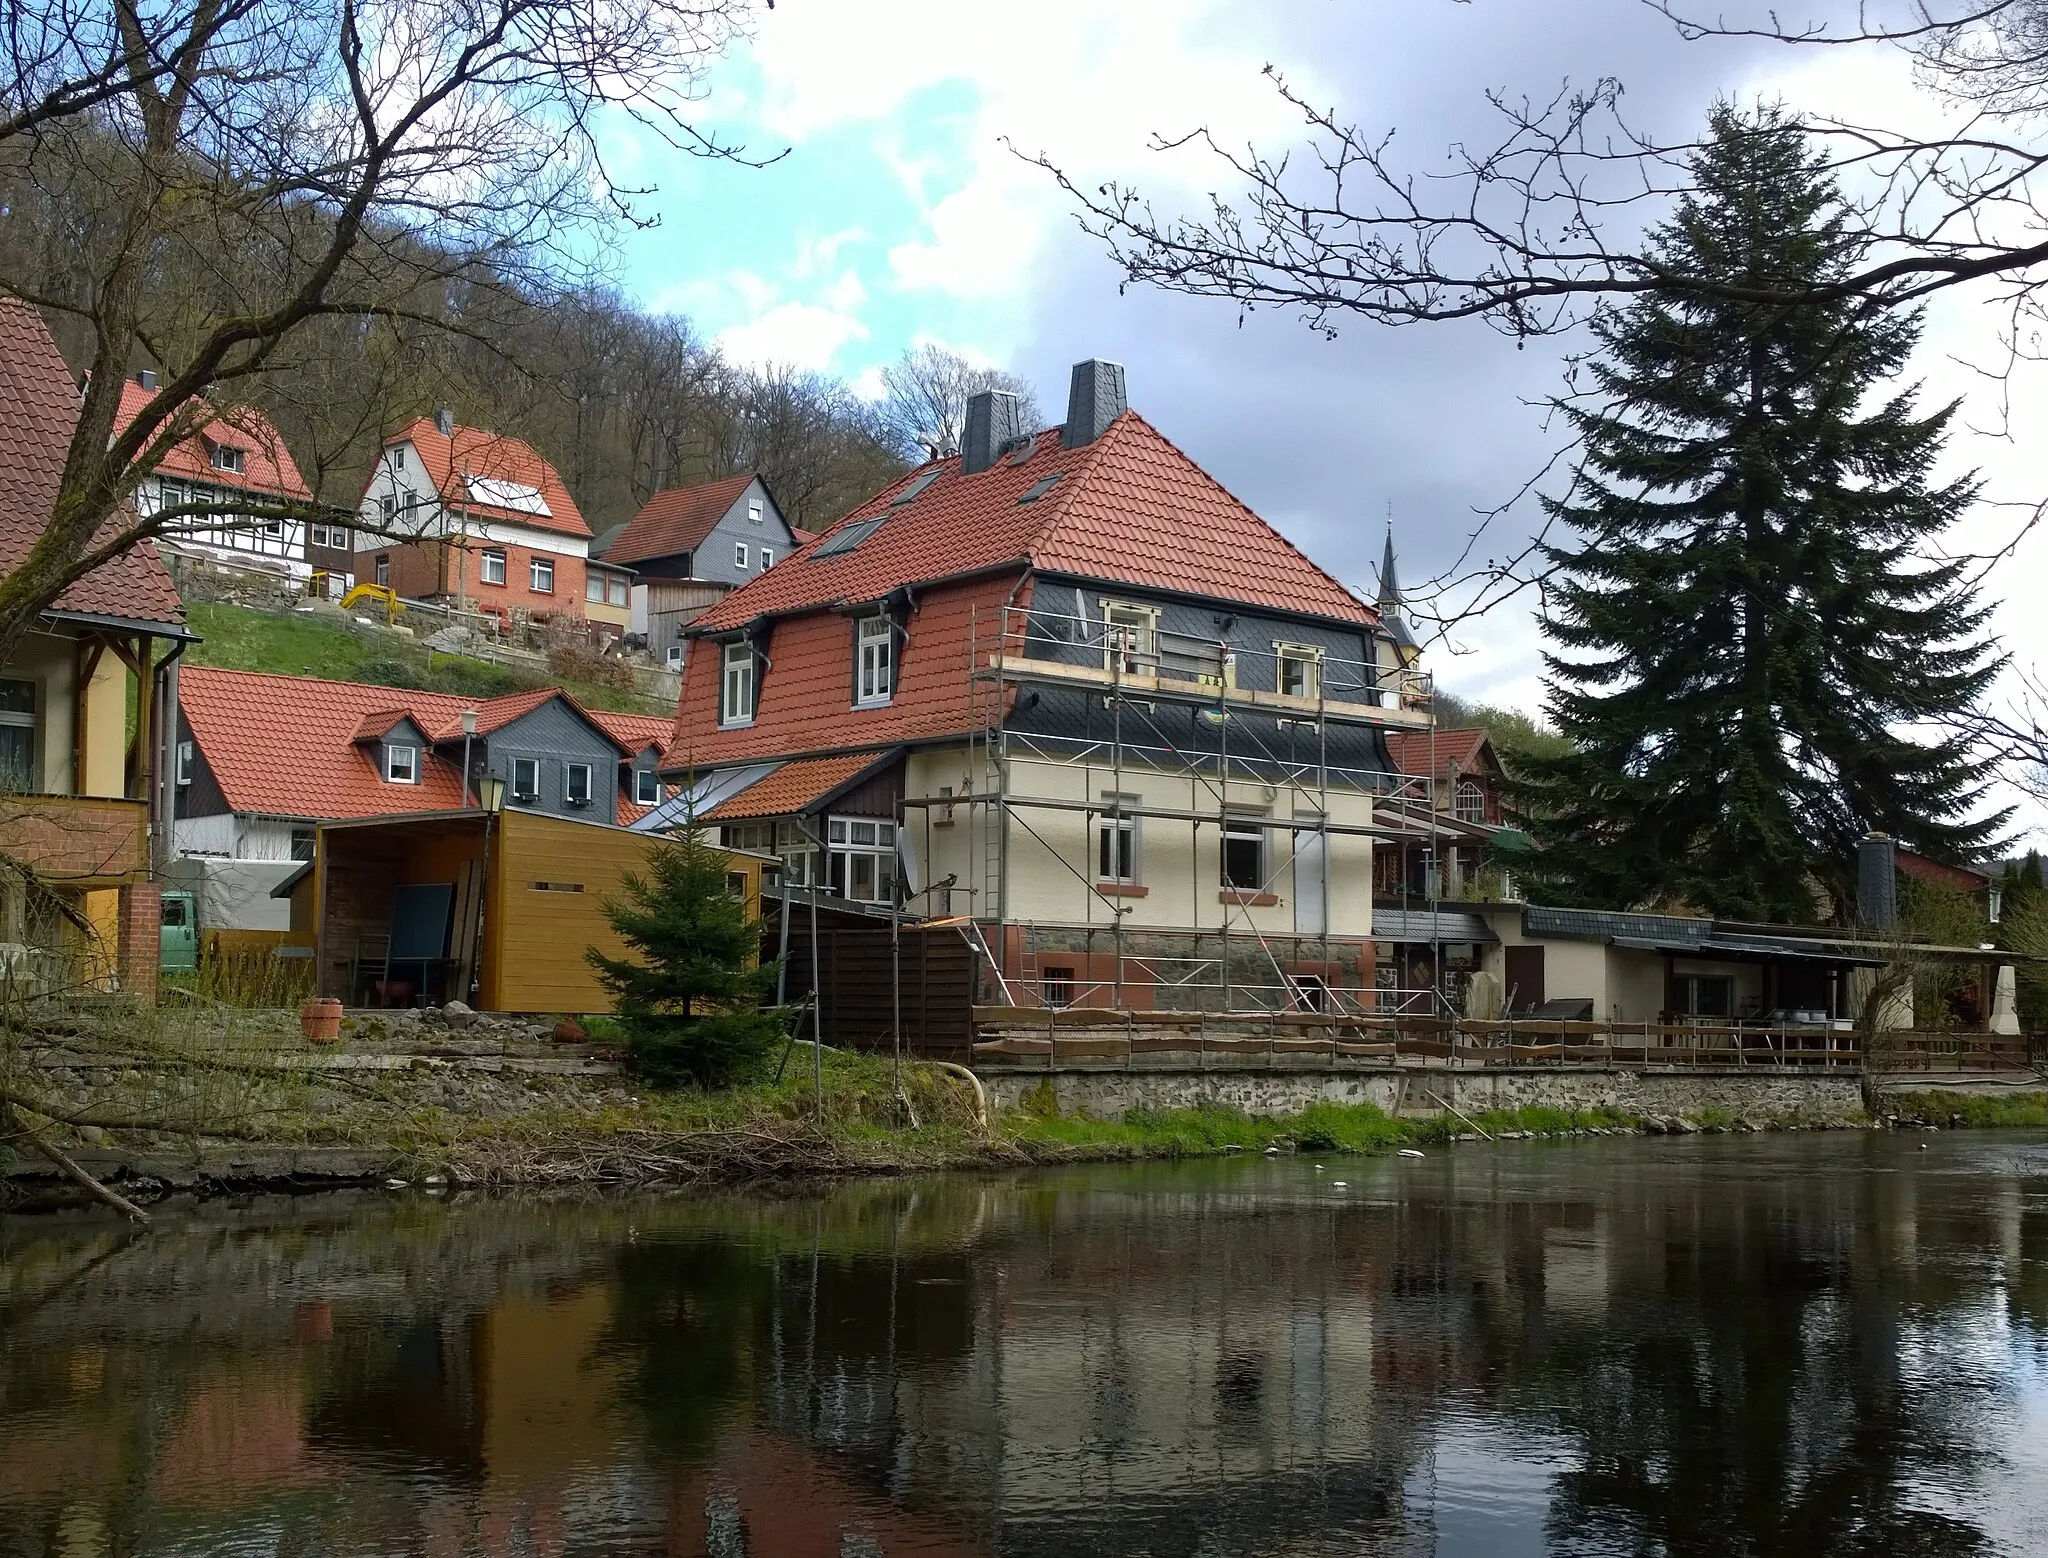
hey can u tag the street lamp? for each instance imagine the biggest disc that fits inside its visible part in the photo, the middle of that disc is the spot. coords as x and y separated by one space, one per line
491 796
490 792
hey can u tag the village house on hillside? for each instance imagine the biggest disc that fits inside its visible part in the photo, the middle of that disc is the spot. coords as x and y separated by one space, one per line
689 547
79 774
232 454
476 520
1084 701
247 810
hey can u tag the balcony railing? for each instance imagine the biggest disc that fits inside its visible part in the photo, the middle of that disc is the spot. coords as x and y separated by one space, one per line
76 840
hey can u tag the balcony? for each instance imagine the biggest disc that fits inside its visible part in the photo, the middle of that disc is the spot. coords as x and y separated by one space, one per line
77 841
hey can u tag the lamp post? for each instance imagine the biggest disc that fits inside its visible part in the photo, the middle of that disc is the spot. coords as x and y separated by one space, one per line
469 718
491 796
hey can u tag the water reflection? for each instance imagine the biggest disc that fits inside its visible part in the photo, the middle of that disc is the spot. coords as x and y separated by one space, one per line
1787 1345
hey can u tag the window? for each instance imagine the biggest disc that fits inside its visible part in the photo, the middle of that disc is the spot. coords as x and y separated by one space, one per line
593 587
302 843
576 789
754 511
767 558
173 911
799 853
646 787
1994 904
1300 670
1130 640
1116 842
675 657
739 554
526 779
1706 995
849 536
402 764
184 762
1470 802
1056 987
331 535
1244 854
273 527
17 736
227 458
491 568
540 575
863 858
736 885
874 653
384 570
615 589
387 511
736 687
1039 489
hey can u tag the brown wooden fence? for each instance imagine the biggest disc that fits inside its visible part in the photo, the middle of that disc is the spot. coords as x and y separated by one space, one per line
858 1005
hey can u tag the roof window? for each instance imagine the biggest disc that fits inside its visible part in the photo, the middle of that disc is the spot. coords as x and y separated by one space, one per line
847 537
917 485
1039 489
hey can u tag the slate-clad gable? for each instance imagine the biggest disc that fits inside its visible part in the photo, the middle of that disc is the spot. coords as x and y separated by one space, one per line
555 735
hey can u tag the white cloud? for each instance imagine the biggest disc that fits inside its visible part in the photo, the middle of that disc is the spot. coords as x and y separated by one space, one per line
797 335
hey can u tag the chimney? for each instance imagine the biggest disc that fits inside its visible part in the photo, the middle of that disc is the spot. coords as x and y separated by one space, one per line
1877 882
991 428
1095 398
146 377
444 422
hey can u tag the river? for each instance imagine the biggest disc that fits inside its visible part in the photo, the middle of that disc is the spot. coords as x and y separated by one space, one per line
1794 1344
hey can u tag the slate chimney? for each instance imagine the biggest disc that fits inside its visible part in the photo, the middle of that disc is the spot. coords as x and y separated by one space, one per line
991 427
146 377
444 422
1095 398
1877 882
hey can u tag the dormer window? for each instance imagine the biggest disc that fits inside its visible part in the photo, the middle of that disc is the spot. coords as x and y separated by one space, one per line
226 457
754 512
1470 801
401 764
646 787
736 685
874 661
1300 670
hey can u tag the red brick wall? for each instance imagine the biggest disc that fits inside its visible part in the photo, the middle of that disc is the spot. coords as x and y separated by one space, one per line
423 570
139 947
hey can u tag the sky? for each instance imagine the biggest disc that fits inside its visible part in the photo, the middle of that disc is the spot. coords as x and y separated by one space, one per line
902 209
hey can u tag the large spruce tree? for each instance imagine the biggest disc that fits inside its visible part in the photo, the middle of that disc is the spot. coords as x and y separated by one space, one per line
1755 633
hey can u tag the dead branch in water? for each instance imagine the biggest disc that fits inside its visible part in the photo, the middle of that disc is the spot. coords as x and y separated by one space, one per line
55 1154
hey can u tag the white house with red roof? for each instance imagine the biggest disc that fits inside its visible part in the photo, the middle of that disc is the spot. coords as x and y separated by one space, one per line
1066 687
477 520
232 454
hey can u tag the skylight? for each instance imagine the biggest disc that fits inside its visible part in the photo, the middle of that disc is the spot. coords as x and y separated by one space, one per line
1039 489
918 485
847 537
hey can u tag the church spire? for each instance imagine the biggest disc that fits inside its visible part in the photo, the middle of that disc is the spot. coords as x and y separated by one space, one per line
1393 615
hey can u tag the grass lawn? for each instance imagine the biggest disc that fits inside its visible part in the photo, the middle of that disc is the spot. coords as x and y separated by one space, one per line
307 644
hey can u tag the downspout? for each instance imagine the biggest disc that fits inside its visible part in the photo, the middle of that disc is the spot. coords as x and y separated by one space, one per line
166 798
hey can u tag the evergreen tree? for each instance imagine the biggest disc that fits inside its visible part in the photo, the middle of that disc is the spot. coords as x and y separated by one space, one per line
690 1002
1749 617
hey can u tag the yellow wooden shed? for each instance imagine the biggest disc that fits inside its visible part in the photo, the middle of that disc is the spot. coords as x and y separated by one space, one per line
495 909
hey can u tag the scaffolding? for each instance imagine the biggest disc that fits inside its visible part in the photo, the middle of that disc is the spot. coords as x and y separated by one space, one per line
1137 702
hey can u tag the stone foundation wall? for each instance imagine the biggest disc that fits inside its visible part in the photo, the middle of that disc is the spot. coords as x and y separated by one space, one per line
1288 1089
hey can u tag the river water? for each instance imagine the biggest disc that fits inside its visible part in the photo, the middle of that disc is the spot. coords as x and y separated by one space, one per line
1799 1344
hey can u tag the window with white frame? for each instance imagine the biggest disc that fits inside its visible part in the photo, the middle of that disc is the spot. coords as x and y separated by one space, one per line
305 843
874 661
387 511
491 568
401 763
525 778
799 853
736 686
228 458
615 589
646 787
17 736
593 587
739 554
1130 639
541 575
1244 854
1300 670
1470 801
863 859
384 571
331 535
755 836
754 511
185 750
1116 841
576 788
767 558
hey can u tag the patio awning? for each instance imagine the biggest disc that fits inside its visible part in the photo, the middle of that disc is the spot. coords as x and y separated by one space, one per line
1752 949
1416 925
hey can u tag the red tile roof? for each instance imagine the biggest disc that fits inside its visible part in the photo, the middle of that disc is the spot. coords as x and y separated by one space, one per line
791 787
499 457
677 520
290 746
266 465
635 732
1413 752
39 406
1129 508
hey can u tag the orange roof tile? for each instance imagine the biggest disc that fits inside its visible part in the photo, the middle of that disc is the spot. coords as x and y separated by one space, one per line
634 732
267 465
39 406
473 452
677 520
792 787
1425 754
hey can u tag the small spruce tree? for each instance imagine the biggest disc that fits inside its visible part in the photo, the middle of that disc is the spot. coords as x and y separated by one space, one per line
1752 620
691 1001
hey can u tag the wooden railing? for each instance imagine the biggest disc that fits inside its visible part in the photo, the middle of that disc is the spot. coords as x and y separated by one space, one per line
79 841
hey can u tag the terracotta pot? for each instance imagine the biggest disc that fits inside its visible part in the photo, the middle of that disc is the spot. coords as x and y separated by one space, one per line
320 1020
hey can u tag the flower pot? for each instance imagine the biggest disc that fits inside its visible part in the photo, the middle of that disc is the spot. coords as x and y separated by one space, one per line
320 1020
